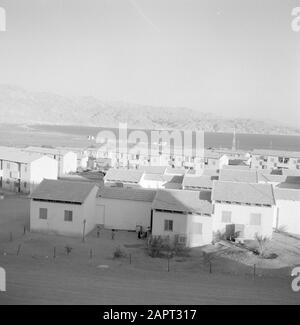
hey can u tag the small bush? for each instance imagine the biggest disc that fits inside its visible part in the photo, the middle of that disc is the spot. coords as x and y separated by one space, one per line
262 243
155 246
218 236
180 249
118 253
68 249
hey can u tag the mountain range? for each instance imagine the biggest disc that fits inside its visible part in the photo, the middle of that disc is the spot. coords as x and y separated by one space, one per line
20 106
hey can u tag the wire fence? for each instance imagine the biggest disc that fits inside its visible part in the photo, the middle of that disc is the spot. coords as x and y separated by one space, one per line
102 251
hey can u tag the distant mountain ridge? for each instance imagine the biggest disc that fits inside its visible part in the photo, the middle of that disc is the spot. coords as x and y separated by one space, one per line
20 106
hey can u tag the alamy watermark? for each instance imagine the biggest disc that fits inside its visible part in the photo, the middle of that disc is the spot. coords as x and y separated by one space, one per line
2 279
295 25
2 19
152 143
296 280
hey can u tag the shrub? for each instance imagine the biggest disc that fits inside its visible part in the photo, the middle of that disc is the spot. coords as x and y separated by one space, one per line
218 236
68 249
262 242
155 246
118 253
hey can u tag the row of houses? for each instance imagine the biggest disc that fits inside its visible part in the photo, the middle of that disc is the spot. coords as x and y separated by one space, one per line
210 158
21 170
179 178
193 217
136 158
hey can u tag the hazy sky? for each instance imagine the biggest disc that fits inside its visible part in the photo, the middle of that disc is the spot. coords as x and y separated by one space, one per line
231 57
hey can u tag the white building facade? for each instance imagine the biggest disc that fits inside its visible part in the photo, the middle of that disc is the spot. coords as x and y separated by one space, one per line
243 210
63 207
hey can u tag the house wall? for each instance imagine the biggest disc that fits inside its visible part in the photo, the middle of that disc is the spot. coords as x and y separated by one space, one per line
271 162
43 168
288 216
224 160
13 174
124 214
89 210
22 177
183 225
195 239
151 183
69 162
55 222
240 214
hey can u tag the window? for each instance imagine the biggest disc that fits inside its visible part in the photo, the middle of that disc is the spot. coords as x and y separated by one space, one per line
255 219
43 213
68 215
168 225
197 228
226 216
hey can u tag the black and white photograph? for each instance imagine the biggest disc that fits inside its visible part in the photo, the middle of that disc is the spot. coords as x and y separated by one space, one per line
149 155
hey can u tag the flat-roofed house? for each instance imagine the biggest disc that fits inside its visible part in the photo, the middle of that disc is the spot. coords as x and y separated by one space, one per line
67 160
183 216
124 208
275 159
21 171
123 177
243 209
238 175
197 183
63 207
288 210
214 160
153 181
153 176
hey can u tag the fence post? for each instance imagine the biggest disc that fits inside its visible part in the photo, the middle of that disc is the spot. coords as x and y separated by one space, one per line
129 258
254 270
24 231
168 263
91 253
210 267
54 252
19 248
10 236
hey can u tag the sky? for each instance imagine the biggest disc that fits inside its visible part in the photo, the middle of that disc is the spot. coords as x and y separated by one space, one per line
234 58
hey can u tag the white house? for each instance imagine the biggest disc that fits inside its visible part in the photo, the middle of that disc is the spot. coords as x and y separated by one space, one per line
275 159
63 207
123 177
153 181
67 160
288 210
243 209
124 208
214 160
153 176
183 216
22 172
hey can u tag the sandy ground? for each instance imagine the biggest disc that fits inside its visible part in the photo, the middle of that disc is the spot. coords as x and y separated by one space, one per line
90 274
